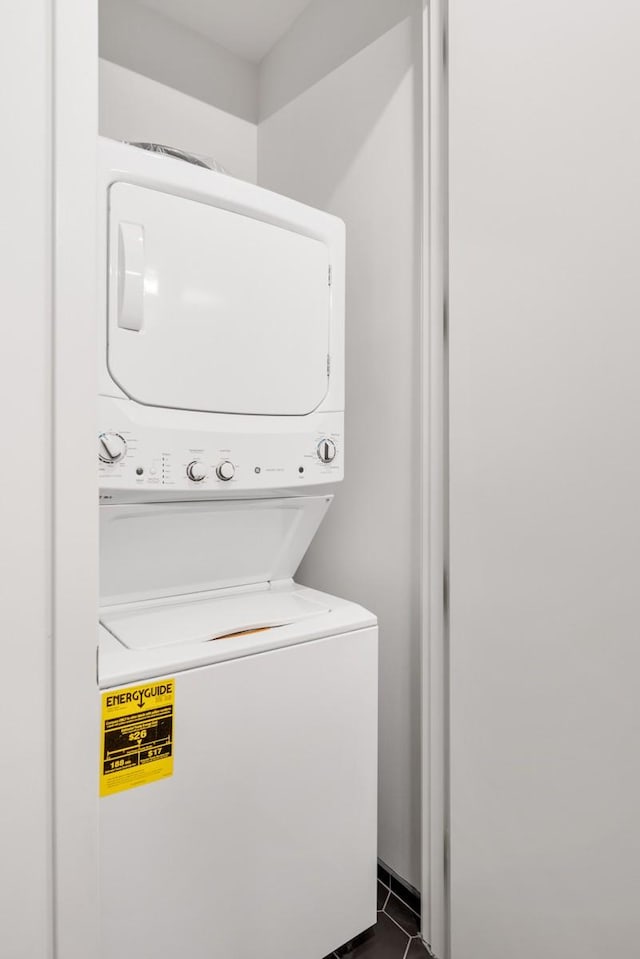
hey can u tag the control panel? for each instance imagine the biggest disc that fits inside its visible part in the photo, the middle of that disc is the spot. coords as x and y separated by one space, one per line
141 458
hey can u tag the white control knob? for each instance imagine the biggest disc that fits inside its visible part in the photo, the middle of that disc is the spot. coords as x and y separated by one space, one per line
326 451
225 470
111 448
196 471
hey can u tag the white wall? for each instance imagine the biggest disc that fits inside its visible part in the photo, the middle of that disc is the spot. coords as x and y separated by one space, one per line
48 510
133 107
73 404
545 478
326 34
350 144
140 39
26 706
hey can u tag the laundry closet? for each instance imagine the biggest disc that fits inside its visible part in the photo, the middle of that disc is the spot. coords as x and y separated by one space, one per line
366 507
260 264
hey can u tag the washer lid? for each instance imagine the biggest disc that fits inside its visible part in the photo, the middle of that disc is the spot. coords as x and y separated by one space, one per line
162 623
213 310
158 550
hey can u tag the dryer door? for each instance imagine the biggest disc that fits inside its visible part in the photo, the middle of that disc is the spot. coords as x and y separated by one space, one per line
212 310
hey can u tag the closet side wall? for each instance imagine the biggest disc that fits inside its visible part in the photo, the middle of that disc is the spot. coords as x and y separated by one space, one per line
326 34
350 144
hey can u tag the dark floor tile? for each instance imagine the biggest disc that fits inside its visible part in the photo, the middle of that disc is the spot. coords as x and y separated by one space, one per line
418 950
402 915
407 894
389 942
383 893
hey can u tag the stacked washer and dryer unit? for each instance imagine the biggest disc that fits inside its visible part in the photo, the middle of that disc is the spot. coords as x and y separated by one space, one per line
238 741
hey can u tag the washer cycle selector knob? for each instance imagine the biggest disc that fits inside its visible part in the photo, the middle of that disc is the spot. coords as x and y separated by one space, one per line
326 451
196 471
225 470
111 447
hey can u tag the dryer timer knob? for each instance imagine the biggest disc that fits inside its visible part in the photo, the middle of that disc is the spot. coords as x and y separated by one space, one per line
326 451
111 448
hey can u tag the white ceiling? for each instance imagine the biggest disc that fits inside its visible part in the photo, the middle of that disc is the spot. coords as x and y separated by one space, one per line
248 28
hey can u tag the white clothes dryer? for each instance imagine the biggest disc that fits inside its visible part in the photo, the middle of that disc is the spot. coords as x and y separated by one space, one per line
221 363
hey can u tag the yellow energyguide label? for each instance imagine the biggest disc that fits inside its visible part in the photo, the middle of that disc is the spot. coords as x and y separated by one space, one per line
137 735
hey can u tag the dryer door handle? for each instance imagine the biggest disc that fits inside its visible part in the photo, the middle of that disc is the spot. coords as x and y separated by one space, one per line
131 276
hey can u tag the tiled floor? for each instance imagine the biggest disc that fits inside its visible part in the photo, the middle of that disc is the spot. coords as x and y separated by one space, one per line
395 935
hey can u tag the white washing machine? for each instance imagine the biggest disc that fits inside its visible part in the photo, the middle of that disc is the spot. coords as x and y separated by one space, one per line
238 737
261 841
